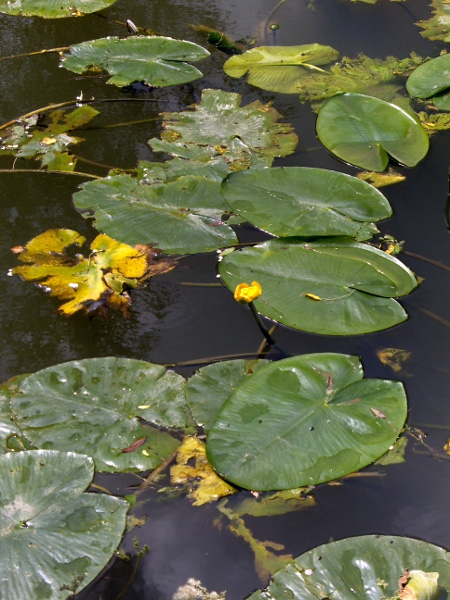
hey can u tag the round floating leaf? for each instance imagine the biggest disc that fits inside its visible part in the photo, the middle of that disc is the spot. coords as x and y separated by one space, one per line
331 287
366 567
54 539
304 420
96 407
430 78
52 9
157 61
210 386
363 130
181 217
280 68
301 201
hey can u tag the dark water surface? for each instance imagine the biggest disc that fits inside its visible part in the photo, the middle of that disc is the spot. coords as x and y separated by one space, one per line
170 322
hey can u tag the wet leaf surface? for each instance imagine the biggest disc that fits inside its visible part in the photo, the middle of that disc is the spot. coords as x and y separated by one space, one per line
61 538
52 9
99 407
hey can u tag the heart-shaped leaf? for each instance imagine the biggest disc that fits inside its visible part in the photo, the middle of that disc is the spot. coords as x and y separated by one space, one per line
97 406
157 61
332 287
59 537
302 201
368 567
363 131
304 420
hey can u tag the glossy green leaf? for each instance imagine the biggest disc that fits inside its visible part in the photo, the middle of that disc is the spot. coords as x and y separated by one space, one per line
279 68
366 567
302 421
303 201
180 217
332 287
11 438
54 539
210 386
98 406
220 121
431 80
157 61
52 9
363 131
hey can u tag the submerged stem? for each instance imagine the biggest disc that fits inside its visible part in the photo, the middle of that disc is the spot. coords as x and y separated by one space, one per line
46 51
78 173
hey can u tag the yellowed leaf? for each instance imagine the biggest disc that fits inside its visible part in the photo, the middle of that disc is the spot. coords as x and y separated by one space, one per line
447 447
379 180
205 484
90 283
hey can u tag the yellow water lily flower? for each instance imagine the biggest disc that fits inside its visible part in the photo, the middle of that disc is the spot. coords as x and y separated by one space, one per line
247 293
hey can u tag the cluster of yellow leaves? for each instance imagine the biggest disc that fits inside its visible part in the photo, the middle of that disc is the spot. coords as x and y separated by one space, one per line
87 283
205 484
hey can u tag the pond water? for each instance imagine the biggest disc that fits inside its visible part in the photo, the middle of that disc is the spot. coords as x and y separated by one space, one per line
171 322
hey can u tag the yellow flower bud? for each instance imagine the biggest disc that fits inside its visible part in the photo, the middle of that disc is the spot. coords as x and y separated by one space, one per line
247 293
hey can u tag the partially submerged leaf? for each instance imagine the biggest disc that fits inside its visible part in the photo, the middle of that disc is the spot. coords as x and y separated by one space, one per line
379 180
431 80
88 284
52 9
278 503
302 421
157 61
358 566
394 358
303 201
438 26
205 485
99 407
59 536
280 68
382 78
48 141
355 282
363 131
396 453
266 562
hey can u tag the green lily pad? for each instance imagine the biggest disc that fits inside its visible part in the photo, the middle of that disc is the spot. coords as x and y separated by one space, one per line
367 567
363 131
332 287
302 201
432 80
210 386
279 68
304 420
157 61
98 406
181 216
52 9
221 122
58 537
11 438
